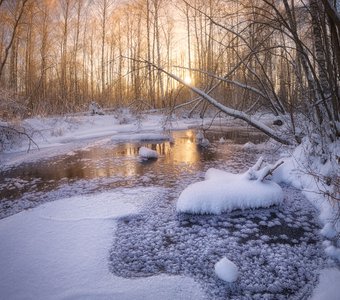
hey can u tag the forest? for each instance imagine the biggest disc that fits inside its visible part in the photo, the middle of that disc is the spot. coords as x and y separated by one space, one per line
189 149
241 57
57 56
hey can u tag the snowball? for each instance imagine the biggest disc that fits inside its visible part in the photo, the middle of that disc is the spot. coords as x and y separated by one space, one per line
226 270
147 153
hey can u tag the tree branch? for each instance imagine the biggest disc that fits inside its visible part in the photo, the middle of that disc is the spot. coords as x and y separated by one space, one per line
227 110
31 141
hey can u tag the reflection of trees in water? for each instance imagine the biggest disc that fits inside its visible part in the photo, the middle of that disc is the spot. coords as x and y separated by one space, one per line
119 161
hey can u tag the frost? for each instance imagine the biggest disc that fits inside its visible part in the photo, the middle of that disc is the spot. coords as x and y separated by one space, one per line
270 265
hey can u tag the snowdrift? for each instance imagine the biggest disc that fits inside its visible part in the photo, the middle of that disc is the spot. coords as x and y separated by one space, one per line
222 191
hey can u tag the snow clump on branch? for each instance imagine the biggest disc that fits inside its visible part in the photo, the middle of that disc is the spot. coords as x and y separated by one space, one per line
222 191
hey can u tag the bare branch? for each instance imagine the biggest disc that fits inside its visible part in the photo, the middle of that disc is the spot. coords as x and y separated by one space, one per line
31 141
227 110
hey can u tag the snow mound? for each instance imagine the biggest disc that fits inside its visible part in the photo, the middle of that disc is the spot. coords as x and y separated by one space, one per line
328 231
216 174
226 270
333 252
147 153
212 197
222 191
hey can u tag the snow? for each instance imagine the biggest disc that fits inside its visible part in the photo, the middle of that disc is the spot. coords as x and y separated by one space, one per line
60 135
222 191
299 170
226 270
328 287
147 153
333 251
60 250
140 137
201 140
328 231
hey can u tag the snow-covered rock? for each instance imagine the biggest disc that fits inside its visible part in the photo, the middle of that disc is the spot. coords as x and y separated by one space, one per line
215 197
204 142
222 191
248 146
147 153
201 140
226 270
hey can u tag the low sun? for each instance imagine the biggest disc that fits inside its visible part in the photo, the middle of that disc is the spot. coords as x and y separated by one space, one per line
187 79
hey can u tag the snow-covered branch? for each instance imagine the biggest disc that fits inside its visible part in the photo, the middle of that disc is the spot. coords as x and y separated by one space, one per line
227 110
8 130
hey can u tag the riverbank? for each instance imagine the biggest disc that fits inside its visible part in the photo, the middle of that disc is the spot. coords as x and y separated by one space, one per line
278 250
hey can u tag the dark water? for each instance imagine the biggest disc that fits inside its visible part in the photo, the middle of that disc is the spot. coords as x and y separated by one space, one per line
121 162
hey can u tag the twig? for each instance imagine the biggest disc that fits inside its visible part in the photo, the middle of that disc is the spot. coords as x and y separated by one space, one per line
269 171
3 127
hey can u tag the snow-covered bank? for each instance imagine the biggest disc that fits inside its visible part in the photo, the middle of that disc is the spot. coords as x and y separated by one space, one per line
318 179
328 287
60 250
281 243
60 135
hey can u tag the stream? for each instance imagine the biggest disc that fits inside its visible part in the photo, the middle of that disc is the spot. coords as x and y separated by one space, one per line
278 249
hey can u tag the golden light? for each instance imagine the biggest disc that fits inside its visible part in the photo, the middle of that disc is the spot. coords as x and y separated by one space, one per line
187 79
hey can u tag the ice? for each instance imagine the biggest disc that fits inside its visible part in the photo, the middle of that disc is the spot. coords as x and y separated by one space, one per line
226 270
143 137
189 244
147 153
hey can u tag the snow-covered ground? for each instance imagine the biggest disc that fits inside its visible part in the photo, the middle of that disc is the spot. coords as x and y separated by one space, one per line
70 248
60 250
60 135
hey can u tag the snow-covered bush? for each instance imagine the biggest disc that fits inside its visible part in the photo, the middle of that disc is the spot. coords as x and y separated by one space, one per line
95 109
124 116
11 106
13 135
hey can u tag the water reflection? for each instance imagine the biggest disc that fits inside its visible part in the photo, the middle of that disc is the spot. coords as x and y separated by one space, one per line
118 161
